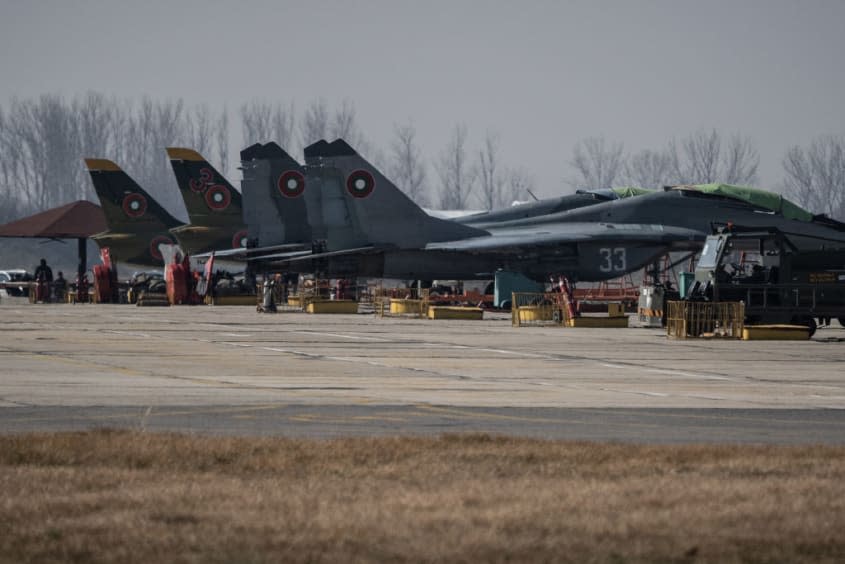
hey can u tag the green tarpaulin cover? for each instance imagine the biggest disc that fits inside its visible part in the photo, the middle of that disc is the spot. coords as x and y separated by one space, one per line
755 196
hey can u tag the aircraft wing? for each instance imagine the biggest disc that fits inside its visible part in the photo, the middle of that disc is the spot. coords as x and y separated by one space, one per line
308 255
253 252
550 235
281 256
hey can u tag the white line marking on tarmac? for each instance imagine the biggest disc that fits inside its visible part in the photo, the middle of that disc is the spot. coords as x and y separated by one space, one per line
129 333
641 393
689 374
342 336
513 353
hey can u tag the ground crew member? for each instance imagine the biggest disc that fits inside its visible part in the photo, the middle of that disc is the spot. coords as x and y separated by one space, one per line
60 287
43 277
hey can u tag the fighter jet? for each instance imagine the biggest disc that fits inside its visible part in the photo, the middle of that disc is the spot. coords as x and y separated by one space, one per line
703 208
581 198
137 223
367 224
214 206
281 225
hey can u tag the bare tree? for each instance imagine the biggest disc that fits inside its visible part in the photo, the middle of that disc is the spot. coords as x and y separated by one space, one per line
343 124
407 169
43 141
256 122
492 181
315 122
200 129
97 125
597 165
815 176
263 121
46 153
9 196
649 169
520 184
283 125
223 141
740 161
457 176
701 160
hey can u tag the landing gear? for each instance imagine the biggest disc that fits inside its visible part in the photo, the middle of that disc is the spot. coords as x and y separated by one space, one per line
810 322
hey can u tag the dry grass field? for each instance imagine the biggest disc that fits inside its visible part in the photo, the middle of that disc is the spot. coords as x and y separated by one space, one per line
126 496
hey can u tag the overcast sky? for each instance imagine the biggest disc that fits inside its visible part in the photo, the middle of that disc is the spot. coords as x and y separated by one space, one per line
543 75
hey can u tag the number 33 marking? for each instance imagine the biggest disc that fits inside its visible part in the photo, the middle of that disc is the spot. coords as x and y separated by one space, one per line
615 260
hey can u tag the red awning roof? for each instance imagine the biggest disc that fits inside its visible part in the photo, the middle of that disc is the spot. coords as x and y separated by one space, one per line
72 221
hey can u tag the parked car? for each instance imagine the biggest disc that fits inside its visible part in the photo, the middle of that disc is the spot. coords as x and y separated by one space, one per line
9 277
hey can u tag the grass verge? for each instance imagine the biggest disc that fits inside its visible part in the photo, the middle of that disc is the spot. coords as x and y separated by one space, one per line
125 496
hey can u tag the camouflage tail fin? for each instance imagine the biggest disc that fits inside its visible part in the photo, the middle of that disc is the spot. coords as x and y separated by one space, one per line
360 206
273 187
209 198
127 206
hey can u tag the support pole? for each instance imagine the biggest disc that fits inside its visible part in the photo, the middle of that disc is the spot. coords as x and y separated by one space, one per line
82 247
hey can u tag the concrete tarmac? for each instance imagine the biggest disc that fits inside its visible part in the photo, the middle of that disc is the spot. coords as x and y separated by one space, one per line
231 370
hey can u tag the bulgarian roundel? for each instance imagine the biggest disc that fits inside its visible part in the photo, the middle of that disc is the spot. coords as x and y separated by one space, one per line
360 184
239 240
134 205
291 184
159 240
218 197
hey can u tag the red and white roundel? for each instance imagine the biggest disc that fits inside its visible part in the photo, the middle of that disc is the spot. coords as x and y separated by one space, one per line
159 240
360 184
291 184
134 205
239 239
218 197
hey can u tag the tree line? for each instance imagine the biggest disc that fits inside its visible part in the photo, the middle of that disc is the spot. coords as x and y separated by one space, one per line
43 141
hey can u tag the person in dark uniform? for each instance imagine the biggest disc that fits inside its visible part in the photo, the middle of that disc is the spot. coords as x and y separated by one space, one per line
59 287
43 272
44 278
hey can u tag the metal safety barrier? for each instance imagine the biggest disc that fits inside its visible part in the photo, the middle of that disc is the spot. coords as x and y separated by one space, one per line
687 319
530 309
401 302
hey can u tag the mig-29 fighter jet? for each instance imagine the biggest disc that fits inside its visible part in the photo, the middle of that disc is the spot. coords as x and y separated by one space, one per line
581 198
364 220
702 208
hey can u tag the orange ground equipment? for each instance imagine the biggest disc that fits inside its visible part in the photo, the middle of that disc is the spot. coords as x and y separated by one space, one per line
177 277
106 288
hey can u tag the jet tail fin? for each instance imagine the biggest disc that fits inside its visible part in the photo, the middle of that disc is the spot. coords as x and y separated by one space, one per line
209 198
360 206
127 207
273 186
